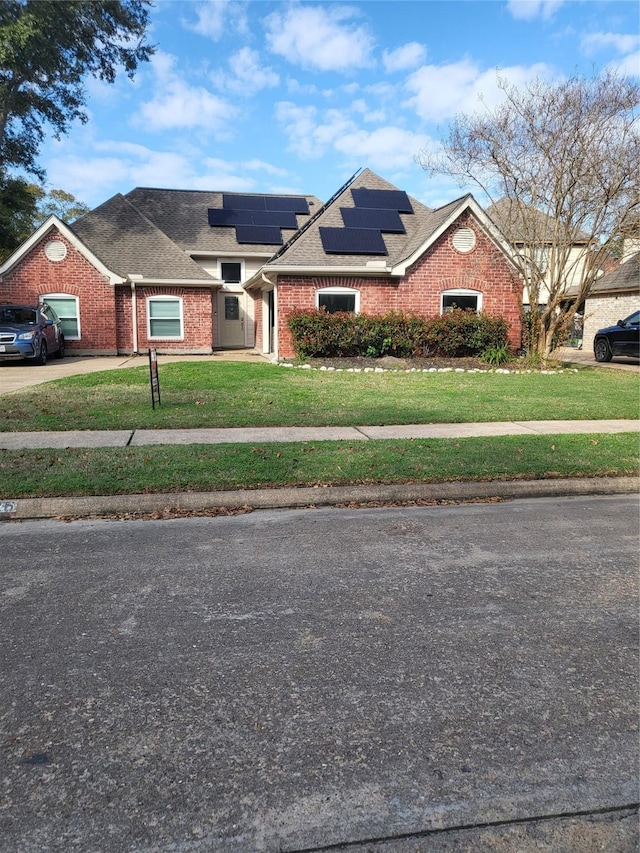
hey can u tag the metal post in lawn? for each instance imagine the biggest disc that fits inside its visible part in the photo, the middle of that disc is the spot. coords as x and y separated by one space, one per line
154 378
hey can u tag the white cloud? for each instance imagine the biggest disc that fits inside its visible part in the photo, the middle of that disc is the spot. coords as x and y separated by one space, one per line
383 148
528 10
408 56
630 65
440 91
310 137
322 37
216 18
248 74
177 104
593 42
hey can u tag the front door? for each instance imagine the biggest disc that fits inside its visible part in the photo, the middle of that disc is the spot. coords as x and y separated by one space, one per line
231 320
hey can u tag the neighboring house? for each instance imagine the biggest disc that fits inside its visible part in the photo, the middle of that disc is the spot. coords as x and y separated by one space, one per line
613 297
534 234
190 272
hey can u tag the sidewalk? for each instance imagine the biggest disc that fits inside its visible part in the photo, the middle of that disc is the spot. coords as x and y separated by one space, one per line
164 505
262 435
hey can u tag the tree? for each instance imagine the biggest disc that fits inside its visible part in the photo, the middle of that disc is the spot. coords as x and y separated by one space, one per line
562 161
24 206
47 49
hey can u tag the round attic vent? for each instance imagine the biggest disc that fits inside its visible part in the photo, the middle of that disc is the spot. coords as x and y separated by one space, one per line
464 239
55 250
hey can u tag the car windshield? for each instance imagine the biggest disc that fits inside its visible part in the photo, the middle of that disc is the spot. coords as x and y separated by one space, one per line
632 318
18 314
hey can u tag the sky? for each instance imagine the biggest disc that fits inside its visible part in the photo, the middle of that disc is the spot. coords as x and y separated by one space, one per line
294 97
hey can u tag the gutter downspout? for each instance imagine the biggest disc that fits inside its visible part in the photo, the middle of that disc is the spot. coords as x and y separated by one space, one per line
266 279
134 313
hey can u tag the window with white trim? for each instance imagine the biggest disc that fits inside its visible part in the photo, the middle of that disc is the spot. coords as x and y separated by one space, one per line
164 318
67 308
231 272
466 300
334 299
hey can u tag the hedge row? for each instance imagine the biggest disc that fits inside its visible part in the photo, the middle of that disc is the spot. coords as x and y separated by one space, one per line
454 334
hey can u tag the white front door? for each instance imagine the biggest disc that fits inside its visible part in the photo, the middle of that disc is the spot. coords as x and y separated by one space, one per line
231 319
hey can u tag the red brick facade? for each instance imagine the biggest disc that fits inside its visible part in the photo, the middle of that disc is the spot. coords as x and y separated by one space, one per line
36 276
484 269
106 317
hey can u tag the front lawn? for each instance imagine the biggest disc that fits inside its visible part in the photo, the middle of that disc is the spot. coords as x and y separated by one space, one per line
236 394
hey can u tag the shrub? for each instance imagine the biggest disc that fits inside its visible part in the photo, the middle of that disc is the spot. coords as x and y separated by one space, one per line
455 334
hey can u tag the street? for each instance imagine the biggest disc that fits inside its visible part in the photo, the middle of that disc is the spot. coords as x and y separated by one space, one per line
403 679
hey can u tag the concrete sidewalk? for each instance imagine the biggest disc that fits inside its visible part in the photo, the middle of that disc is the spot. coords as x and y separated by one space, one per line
263 435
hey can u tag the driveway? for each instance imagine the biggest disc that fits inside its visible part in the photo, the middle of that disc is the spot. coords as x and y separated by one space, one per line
16 375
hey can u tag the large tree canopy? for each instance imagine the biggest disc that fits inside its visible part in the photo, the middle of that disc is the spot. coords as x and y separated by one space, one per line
47 49
560 161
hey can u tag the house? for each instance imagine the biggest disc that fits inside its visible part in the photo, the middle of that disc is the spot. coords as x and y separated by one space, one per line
540 237
613 297
190 272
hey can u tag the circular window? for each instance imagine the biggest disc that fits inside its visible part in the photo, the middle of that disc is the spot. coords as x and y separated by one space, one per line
464 239
55 250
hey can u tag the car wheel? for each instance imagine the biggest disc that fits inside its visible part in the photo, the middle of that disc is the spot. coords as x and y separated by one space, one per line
41 358
601 350
60 353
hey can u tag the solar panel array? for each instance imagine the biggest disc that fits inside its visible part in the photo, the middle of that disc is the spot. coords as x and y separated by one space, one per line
258 218
376 212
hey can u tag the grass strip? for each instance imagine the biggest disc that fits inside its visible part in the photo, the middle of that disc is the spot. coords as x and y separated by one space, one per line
240 394
170 468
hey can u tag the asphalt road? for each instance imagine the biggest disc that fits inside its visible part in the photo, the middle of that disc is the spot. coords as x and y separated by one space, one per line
414 679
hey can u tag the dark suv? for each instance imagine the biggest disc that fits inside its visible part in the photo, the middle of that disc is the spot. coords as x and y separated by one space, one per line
621 339
30 331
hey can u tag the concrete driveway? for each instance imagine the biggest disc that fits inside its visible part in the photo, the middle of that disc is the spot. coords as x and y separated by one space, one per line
16 375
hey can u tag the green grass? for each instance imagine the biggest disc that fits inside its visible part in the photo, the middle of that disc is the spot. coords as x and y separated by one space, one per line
234 394
157 469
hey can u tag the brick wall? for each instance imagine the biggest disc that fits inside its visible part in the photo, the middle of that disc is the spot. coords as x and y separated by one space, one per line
197 312
605 310
36 275
484 269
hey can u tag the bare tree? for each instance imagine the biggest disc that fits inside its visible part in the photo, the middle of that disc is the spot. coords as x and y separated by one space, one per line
559 164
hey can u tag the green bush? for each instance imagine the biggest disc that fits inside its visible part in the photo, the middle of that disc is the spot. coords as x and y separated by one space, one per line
457 333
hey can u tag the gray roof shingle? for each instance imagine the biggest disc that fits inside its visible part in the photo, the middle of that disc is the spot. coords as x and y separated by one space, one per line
626 277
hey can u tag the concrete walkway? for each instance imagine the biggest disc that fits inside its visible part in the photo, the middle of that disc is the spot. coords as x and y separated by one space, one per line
262 435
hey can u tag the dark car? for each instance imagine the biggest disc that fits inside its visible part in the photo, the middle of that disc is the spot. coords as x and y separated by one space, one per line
30 331
621 339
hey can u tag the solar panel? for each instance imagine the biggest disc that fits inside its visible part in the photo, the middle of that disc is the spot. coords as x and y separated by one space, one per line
268 234
382 199
219 218
352 241
386 220
296 205
230 201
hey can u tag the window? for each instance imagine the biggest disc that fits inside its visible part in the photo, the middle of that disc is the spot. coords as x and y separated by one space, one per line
231 271
68 310
334 299
164 317
463 299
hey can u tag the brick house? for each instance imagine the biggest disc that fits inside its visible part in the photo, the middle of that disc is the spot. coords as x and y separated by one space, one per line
189 272
372 249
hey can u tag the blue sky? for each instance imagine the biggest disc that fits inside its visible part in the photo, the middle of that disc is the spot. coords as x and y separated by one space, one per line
294 97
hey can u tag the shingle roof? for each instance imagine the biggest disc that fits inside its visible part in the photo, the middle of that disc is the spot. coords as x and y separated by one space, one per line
517 222
182 216
128 243
307 249
625 278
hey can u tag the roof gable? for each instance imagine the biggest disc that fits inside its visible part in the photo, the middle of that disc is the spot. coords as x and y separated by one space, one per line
54 223
400 230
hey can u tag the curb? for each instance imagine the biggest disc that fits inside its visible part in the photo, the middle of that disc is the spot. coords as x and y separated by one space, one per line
311 497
